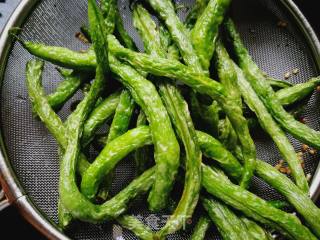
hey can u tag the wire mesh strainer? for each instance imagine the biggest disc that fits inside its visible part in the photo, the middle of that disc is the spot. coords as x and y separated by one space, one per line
29 153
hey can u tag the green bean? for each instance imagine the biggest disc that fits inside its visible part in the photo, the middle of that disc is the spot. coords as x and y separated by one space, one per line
52 121
196 11
228 223
205 32
217 184
201 228
67 182
119 126
142 155
180 117
271 127
40 102
137 227
265 92
66 89
302 203
276 83
213 148
147 29
108 158
228 78
122 116
179 33
256 231
122 34
98 116
61 56
298 92
167 150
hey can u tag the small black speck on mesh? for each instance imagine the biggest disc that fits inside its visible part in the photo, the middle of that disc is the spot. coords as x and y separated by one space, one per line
33 152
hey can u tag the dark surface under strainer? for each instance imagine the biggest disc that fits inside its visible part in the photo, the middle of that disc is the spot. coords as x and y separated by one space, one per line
33 152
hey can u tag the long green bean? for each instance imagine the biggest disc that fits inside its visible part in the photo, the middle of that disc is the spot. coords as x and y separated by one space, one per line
67 182
228 77
119 126
275 132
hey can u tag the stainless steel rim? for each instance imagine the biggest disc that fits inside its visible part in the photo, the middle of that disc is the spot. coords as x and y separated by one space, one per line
8 180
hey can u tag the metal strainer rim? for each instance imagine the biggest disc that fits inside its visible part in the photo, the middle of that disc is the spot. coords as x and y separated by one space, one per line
8 179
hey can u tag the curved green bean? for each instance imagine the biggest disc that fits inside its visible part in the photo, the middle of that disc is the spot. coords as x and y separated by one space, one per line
40 102
98 116
66 89
212 148
108 158
67 182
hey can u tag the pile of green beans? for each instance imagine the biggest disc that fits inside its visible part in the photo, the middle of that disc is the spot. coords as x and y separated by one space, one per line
188 52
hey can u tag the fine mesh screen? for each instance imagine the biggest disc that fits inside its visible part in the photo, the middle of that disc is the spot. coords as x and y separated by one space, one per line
32 150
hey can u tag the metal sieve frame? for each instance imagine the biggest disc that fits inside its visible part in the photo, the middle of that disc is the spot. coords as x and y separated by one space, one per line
11 186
